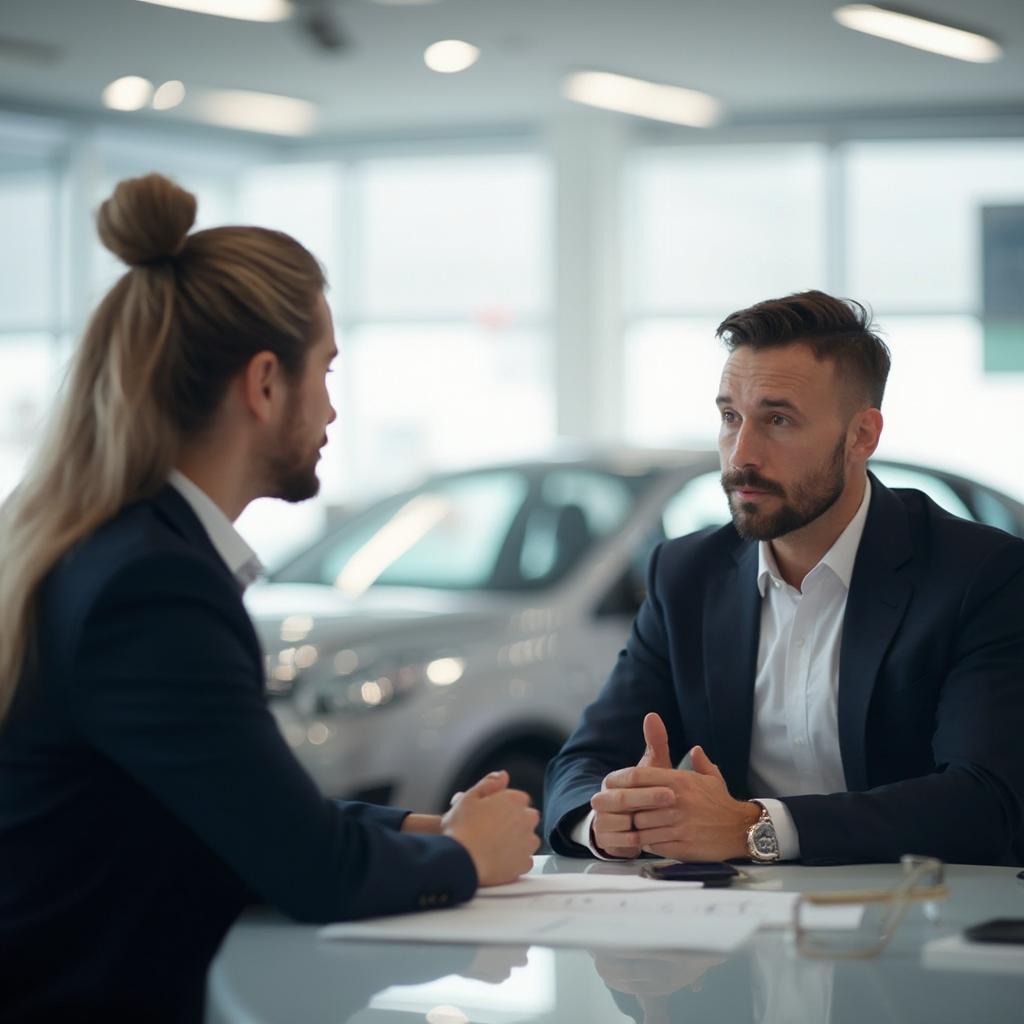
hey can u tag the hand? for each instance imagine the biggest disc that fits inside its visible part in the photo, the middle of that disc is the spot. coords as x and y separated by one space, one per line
497 827
613 830
700 820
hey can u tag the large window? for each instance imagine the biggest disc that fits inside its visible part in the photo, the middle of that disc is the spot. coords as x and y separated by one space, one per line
895 224
914 250
439 285
31 282
708 228
441 270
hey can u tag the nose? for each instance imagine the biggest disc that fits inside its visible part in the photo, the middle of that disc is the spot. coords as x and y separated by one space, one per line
333 413
745 453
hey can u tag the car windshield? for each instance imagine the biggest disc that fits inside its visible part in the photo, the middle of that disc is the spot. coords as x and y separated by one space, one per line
501 529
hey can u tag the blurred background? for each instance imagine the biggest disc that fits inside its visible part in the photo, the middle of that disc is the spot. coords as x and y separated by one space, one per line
513 265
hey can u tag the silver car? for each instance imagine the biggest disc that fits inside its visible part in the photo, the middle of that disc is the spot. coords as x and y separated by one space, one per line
463 625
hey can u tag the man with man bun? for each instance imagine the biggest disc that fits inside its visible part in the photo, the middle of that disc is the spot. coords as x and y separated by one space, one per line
146 794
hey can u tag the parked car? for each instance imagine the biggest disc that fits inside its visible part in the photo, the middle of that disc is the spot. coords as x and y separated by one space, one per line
462 625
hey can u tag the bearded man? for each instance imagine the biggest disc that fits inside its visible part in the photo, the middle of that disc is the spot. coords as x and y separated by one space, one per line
837 675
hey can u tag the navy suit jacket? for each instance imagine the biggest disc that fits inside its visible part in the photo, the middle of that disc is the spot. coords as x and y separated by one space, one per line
931 688
146 794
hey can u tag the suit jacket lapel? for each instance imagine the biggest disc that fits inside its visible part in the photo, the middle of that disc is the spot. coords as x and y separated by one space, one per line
178 514
879 593
732 627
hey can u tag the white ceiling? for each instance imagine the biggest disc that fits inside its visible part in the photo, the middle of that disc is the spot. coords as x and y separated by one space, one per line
765 59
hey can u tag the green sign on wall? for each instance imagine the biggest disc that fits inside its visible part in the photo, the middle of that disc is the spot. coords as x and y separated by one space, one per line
1002 262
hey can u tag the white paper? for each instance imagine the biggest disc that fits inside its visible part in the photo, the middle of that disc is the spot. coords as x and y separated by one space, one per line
668 917
480 922
536 885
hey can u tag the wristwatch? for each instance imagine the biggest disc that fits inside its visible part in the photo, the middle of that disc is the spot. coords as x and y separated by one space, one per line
762 842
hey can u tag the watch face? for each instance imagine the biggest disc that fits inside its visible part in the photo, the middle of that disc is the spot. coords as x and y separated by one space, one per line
764 843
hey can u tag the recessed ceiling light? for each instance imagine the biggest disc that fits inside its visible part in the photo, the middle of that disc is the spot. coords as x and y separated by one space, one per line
919 33
168 95
643 99
450 55
128 93
246 10
256 111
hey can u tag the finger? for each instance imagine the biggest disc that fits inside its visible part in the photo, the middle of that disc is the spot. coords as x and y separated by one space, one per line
613 822
622 800
493 782
456 797
702 764
656 754
640 776
652 836
618 844
624 852
657 819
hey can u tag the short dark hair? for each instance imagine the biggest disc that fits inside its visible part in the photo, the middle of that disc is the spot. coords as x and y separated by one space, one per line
836 329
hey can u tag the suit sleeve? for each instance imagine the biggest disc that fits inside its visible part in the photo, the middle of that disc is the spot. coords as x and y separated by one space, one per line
166 685
970 809
610 734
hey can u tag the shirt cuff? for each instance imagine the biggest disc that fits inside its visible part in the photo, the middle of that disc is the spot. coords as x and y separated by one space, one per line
583 835
785 828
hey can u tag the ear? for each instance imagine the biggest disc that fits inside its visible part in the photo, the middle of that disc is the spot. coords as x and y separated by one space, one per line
865 431
262 384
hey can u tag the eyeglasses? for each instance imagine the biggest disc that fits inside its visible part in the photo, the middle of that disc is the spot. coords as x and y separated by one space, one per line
883 910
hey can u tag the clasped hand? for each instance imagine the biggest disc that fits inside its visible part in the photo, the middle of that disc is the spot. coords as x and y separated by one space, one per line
497 827
657 808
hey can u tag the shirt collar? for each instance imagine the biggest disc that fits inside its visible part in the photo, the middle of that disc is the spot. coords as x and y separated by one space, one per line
839 558
240 559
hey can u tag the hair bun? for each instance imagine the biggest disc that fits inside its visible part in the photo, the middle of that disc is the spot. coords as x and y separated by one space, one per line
146 220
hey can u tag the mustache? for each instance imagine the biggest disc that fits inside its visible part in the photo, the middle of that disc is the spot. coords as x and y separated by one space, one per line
750 478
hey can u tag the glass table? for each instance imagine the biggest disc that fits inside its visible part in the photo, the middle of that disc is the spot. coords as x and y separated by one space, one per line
273 971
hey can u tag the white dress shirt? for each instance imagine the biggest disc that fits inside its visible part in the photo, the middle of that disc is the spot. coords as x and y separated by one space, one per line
794 744
240 559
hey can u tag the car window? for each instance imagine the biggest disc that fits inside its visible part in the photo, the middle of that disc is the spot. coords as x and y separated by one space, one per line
994 512
503 529
447 535
575 507
920 480
701 503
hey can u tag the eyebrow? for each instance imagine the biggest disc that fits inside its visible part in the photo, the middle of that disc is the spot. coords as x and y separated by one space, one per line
765 403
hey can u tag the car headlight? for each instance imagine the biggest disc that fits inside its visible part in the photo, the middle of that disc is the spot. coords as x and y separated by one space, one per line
344 684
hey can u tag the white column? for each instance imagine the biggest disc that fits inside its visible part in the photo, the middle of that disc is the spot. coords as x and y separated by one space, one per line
587 149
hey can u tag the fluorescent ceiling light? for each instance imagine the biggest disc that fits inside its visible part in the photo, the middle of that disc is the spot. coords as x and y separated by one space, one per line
169 95
643 99
128 93
246 10
256 111
450 55
919 33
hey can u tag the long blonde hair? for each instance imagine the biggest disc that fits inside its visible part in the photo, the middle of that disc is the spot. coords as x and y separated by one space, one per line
150 371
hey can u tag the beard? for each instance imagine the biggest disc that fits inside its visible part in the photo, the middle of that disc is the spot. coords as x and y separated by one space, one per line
806 500
291 468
